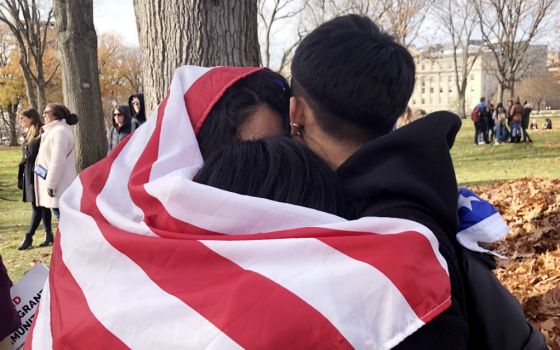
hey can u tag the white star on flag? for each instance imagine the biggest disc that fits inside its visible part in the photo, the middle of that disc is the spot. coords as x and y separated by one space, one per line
466 201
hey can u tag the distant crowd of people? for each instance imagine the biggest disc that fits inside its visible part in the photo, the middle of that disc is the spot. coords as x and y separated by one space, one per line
501 124
48 166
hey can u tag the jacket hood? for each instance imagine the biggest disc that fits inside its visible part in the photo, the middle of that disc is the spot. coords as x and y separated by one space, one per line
141 115
410 166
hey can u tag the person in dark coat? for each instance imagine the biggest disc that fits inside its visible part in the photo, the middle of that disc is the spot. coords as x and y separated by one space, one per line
344 108
31 121
516 115
123 125
527 109
137 108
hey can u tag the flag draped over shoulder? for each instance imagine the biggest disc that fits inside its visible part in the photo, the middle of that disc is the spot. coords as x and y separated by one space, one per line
146 258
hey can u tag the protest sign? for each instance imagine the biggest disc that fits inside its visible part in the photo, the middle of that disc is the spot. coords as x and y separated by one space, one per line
26 294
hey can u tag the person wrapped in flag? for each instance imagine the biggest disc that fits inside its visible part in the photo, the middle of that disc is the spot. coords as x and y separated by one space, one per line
351 81
147 258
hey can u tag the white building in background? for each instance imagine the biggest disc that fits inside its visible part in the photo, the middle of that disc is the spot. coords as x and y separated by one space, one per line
436 88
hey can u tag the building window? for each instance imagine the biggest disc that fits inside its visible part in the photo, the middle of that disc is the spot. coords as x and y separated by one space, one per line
441 90
422 101
413 101
431 90
423 90
449 78
472 76
422 67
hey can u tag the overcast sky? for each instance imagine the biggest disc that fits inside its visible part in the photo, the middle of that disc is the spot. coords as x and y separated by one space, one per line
117 17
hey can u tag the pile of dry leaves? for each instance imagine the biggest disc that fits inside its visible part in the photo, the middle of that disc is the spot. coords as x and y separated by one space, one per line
531 207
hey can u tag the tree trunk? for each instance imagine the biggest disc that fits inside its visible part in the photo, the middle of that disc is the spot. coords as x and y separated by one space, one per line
29 87
41 87
12 113
77 54
198 32
462 105
501 93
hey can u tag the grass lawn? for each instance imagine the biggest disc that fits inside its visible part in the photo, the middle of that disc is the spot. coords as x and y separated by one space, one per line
14 220
488 163
474 165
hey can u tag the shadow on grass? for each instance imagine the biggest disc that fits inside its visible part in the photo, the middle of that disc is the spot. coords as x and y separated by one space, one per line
483 182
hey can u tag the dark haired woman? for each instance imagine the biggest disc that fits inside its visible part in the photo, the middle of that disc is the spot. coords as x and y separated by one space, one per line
137 108
256 106
55 167
278 169
31 121
122 126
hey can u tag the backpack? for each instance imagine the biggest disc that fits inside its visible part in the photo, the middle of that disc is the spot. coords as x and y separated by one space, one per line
475 114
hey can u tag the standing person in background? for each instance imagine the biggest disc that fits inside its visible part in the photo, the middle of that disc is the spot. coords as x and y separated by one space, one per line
31 121
478 116
527 108
55 167
137 108
516 115
508 110
490 123
123 125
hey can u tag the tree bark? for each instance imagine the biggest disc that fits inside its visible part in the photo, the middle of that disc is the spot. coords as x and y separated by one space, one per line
29 90
198 32
77 54
12 112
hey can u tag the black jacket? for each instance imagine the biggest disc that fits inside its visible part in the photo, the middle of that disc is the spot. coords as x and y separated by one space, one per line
25 173
409 174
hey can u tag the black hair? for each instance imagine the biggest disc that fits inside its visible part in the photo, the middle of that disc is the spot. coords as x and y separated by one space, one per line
141 114
125 110
482 99
280 169
60 111
237 104
357 77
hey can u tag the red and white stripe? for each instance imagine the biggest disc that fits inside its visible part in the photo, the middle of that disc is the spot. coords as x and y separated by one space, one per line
146 258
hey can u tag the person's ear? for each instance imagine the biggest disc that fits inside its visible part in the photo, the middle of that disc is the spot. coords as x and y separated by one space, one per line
298 114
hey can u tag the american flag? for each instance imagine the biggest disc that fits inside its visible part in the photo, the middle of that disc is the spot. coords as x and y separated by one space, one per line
145 258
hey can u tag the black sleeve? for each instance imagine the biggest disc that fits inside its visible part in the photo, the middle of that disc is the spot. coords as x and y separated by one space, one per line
450 329
496 318
447 331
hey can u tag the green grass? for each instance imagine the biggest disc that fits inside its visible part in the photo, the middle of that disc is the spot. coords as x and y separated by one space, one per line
14 220
473 164
488 163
